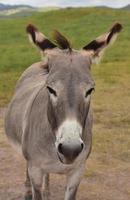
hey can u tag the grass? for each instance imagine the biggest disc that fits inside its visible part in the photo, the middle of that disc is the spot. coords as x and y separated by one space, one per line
111 145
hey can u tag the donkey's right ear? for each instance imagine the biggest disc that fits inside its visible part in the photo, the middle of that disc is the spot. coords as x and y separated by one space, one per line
39 39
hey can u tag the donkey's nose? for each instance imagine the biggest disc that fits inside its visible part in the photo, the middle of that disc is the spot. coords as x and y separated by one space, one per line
70 151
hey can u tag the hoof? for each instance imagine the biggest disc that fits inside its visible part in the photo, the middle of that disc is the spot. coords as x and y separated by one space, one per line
28 197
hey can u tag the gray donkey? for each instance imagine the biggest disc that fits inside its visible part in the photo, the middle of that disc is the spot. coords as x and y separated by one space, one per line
49 118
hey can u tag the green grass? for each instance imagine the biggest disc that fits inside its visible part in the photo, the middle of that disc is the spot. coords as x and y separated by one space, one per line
111 98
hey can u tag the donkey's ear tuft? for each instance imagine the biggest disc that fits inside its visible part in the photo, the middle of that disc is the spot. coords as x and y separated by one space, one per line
38 38
61 40
96 48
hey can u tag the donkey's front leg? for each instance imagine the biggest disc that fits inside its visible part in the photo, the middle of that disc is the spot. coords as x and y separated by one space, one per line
46 189
36 178
28 187
73 181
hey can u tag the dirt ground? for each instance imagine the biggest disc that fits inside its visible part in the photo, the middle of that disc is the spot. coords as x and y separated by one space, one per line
100 184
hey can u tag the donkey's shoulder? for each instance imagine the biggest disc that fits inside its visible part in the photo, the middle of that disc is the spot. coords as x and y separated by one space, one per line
36 73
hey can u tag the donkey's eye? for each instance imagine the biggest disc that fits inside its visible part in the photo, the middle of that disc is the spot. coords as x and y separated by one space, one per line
89 92
52 91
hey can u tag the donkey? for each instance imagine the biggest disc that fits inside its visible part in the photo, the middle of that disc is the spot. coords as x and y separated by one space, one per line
49 119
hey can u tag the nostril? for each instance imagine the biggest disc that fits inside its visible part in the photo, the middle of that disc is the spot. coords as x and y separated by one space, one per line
82 146
78 150
60 148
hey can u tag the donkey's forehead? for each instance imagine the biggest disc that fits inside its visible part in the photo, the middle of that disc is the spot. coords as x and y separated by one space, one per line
67 60
69 67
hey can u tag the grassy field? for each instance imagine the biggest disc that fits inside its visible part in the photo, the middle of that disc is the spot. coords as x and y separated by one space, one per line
111 100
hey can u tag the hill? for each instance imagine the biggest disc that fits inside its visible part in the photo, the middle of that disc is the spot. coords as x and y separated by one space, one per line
8 7
7 10
127 7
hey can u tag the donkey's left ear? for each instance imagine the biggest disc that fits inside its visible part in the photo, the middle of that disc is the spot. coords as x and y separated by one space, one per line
96 48
39 39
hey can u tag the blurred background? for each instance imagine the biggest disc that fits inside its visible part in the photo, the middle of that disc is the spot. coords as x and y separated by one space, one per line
107 174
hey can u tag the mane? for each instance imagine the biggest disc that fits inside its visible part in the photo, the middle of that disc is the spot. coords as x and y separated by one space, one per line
61 41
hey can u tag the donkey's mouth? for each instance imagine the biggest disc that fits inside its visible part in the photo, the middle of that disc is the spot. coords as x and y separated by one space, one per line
64 160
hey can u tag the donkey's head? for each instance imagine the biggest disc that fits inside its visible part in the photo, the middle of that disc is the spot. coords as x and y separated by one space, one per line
69 86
